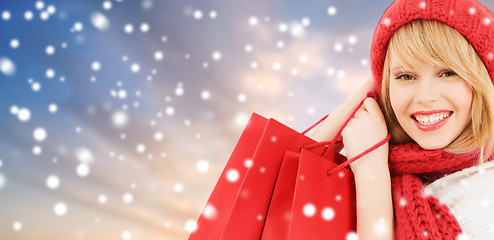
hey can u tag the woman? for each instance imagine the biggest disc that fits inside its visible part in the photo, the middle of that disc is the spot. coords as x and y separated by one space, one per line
432 64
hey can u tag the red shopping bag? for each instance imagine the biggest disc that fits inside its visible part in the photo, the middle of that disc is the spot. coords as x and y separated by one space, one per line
238 204
323 205
314 196
280 208
307 203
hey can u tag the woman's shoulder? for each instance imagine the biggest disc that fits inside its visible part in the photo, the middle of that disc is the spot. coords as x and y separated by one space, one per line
478 172
469 194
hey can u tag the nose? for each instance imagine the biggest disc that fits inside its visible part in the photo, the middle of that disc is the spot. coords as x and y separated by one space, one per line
427 91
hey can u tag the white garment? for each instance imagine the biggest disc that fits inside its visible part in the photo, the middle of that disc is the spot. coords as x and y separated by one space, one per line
469 194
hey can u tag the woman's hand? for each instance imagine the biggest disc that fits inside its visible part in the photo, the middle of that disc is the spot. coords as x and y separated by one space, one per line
372 179
329 127
363 131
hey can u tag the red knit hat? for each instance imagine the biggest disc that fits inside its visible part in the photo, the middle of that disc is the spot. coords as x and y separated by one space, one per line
470 18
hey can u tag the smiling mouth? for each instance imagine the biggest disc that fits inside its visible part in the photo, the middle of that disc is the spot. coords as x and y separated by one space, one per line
431 120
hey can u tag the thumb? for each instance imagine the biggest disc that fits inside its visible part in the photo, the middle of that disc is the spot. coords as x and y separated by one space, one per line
371 106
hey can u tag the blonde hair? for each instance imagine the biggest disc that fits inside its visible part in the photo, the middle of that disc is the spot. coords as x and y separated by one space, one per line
433 42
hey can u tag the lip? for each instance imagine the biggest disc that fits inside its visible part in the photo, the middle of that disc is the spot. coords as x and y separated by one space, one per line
434 126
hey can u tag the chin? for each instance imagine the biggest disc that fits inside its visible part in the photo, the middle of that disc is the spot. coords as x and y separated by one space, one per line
432 145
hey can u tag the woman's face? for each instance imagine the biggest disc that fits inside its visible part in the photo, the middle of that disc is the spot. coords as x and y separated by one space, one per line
432 104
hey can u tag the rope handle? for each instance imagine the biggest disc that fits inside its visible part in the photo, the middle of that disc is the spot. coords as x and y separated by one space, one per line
315 124
372 94
353 159
335 139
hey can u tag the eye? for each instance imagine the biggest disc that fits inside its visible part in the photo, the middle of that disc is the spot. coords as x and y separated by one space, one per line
448 73
405 77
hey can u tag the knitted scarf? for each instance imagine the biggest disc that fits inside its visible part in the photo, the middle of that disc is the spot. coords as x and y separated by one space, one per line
417 216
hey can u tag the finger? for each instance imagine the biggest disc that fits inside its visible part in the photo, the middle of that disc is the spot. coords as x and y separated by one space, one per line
360 112
371 106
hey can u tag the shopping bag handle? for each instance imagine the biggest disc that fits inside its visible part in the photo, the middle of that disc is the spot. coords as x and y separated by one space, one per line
353 159
372 94
335 139
315 124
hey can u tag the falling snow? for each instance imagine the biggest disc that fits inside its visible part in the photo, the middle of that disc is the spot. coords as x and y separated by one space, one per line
83 170
50 50
2 181
210 212
17 226
283 27
102 199
328 213
158 136
144 27
309 210
28 15
253 21
331 10
40 5
232 175
128 198
352 236
84 155
100 21
197 14
248 163
36 86
178 187
37 150
14 43
141 148
126 235
128 28
7 67
107 5
190 226
50 73
23 114
39 134
78 26
53 108
158 55
96 66
135 67
60 209
202 166
116 103
216 56
6 15
53 182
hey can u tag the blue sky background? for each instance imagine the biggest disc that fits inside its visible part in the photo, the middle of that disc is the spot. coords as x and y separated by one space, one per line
128 131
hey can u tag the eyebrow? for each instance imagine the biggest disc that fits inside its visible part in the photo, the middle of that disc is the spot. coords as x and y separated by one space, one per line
396 68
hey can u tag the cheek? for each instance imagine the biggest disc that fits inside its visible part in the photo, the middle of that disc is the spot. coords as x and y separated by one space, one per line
462 96
399 98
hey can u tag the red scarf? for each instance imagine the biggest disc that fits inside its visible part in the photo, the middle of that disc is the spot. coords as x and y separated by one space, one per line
417 216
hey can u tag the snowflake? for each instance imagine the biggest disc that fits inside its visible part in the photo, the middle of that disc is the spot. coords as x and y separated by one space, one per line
309 210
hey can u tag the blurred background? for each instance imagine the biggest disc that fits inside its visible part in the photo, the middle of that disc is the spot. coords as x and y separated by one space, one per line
118 116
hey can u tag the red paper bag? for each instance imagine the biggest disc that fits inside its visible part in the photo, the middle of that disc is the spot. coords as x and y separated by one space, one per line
314 196
306 203
238 204
280 208
323 205
309 204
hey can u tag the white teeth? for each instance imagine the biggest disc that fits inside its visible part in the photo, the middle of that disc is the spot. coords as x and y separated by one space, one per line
432 118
